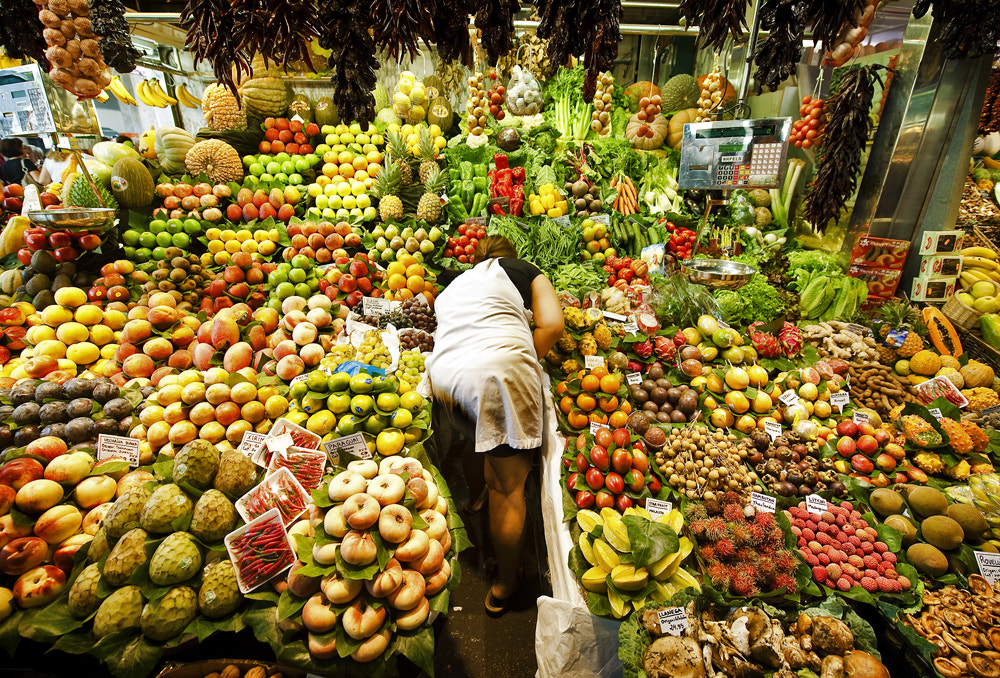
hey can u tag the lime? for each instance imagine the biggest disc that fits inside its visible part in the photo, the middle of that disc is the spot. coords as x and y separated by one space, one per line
321 422
147 240
302 164
159 253
297 390
164 239
283 291
174 226
362 404
316 381
129 252
273 167
281 178
363 383
181 240
143 254
376 424
298 417
275 303
249 160
192 226
282 157
296 179
348 424
339 402
130 238
251 180
266 177
157 226
288 167
412 402
338 381
387 402
400 419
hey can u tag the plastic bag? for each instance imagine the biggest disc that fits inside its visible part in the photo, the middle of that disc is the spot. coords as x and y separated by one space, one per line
524 95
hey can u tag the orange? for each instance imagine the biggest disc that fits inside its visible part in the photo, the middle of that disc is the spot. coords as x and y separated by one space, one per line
610 384
404 294
566 404
625 407
600 371
591 383
586 402
429 287
415 269
598 418
578 419
396 281
617 419
415 284
395 268
406 260
561 388
608 404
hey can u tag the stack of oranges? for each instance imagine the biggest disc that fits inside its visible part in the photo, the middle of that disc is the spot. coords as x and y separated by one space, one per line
593 396
406 278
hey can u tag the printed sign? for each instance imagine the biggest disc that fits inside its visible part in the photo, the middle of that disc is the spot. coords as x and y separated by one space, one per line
595 427
989 566
658 508
772 428
475 221
789 397
301 377
592 361
251 443
840 399
353 445
375 306
673 620
764 503
630 327
861 417
633 378
118 447
815 504
617 317
936 411
601 219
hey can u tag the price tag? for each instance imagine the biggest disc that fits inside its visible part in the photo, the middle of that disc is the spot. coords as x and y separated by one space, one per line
789 397
990 410
936 411
858 329
630 327
280 443
764 503
617 317
375 306
840 399
658 508
251 443
353 445
563 221
860 417
595 427
673 620
301 377
475 221
592 361
815 504
633 378
502 200
601 219
118 447
724 324
989 566
772 428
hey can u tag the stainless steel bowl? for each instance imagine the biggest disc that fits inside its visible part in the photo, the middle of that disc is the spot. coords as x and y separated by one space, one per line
73 218
719 274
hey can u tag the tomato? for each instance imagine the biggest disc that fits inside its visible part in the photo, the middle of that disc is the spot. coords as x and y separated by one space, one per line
59 239
480 233
24 256
584 499
463 240
36 240
461 229
449 252
65 254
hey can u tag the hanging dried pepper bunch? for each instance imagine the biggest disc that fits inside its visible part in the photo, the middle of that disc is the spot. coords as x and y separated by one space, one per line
211 36
400 23
451 31
588 27
847 129
829 16
107 19
345 32
777 55
716 20
21 31
495 21
969 28
989 120
279 30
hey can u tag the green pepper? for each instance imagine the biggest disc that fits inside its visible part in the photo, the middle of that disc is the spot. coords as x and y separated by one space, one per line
454 174
480 170
465 170
989 323
478 205
480 184
468 192
457 210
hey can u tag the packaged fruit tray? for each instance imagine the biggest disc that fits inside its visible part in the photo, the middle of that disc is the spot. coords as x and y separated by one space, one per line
300 438
260 550
279 491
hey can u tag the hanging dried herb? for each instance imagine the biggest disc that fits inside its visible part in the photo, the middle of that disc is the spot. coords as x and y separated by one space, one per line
847 128
107 20
451 31
345 31
400 23
211 37
588 27
777 55
829 17
969 28
21 31
279 30
716 20
495 21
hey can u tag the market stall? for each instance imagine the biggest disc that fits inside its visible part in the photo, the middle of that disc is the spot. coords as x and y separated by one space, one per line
771 419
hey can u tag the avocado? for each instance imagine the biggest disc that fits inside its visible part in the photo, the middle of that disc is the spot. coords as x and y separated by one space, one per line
43 299
43 262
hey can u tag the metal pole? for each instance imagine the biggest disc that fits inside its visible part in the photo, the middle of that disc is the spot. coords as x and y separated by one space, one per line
751 46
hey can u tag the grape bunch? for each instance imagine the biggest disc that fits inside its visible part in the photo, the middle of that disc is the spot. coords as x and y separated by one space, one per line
373 352
601 122
338 354
412 339
808 131
420 315
409 371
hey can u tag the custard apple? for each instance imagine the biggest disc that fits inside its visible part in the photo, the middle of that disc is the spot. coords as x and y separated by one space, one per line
168 616
196 464
125 513
175 560
119 611
214 517
237 475
127 555
98 546
220 593
83 594
165 507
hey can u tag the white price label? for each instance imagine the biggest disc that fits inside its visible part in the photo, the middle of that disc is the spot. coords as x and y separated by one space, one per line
789 397
376 305
630 328
724 324
295 380
633 378
764 503
658 508
673 620
815 503
592 361
600 219
989 566
251 443
936 411
860 417
595 427
118 447
563 221
280 443
772 428
353 444
840 399
617 317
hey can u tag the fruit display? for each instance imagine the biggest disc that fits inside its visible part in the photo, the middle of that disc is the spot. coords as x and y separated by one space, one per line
790 465
43 275
303 335
699 464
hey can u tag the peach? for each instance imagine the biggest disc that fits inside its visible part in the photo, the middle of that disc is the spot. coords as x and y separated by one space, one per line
181 359
237 357
285 348
139 365
104 468
225 331
158 348
358 548
319 317
159 373
319 301
257 338
9 530
39 586
362 620
312 354
6 603
301 585
162 299
438 579
7 494
47 447
125 350
162 317
290 367
318 616
182 336
325 554
334 524
59 523
339 590
22 554
413 618
95 490
202 356
38 496
394 523
361 511
19 472
268 318
136 331
292 303
94 517
415 547
63 556
69 469
372 649
431 561
387 581
293 319
319 648
387 488
366 467
437 525
304 333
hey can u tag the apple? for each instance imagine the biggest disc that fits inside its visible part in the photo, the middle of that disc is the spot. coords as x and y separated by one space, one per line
361 620
387 581
387 489
414 547
39 586
361 511
394 523
358 548
19 472
339 590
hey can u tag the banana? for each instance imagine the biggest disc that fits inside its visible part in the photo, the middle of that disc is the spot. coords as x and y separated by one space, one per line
158 90
979 252
144 96
103 96
153 95
185 97
121 92
966 280
980 262
976 274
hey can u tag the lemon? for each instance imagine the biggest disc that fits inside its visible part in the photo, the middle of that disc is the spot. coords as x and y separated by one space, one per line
413 435
389 442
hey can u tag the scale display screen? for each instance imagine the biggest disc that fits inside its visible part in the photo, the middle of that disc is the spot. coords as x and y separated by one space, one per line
24 107
734 154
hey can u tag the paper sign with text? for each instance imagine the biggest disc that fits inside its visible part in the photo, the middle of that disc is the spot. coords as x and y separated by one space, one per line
658 508
280 443
764 503
377 306
592 361
860 417
815 503
673 620
840 400
789 397
772 428
251 443
595 427
633 378
989 566
118 447
353 445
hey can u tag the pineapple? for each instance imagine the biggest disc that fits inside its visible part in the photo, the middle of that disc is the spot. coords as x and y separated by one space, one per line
427 151
900 316
386 188
397 149
429 207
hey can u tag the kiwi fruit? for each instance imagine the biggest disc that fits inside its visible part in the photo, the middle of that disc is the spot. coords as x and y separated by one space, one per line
942 532
973 523
927 559
885 502
927 501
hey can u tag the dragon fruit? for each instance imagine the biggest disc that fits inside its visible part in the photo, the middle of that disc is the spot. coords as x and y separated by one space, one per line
680 338
790 337
664 348
767 345
643 349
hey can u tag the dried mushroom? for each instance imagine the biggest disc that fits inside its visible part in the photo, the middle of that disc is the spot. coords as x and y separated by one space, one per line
831 636
674 657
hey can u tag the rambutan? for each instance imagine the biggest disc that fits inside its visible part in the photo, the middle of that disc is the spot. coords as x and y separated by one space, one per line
785 561
712 507
786 580
743 584
756 534
718 574
747 556
694 512
739 533
724 549
697 528
764 519
732 512
715 529
765 572
775 536
707 553
731 497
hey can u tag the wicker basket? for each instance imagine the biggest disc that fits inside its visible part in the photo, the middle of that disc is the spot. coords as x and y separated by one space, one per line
960 313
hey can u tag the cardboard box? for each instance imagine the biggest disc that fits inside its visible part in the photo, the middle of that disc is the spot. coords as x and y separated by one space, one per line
941 266
880 253
882 282
933 289
941 242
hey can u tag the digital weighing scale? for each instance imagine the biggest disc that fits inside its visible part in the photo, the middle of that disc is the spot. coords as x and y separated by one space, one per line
733 154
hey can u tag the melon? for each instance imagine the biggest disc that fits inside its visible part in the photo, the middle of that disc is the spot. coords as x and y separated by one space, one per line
325 113
131 183
440 114
302 107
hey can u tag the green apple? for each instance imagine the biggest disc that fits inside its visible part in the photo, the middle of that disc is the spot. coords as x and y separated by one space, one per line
314 190
322 202
336 202
329 213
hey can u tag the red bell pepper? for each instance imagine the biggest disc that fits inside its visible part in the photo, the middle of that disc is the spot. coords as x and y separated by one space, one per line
500 160
519 175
